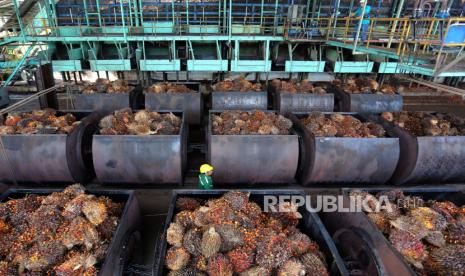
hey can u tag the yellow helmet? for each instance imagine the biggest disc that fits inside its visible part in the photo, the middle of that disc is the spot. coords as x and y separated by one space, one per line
205 168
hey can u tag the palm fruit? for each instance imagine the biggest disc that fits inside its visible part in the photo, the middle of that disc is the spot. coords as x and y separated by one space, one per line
245 221
172 119
448 260
256 271
192 241
231 236
253 211
187 203
7 130
177 258
211 242
273 251
301 243
409 246
200 216
95 211
313 264
200 263
187 271
446 208
292 267
138 129
219 265
8 269
429 218
284 124
236 199
274 224
380 220
287 213
175 234
392 195
410 224
142 117
185 218
455 233
242 258
219 212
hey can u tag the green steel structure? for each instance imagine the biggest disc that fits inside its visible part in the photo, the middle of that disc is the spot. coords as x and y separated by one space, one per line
291 36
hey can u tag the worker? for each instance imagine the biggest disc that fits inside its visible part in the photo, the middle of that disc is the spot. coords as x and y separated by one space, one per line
365 21
205 177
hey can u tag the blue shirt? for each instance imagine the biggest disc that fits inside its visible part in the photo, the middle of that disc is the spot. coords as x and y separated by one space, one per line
358 13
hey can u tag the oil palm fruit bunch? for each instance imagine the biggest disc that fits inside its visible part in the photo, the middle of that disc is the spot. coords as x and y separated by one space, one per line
252 122
125 122
45 121
429 234
364 86
294 87
240 84
168 87
427 124
338 125
230 235
107 86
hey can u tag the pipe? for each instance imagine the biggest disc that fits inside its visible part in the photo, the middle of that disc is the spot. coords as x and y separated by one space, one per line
394 26
359 28
18 66
419 6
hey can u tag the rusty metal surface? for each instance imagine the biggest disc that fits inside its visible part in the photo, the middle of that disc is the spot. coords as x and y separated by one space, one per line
136 159
105 102
253 159
438 159
427 159
189 103
301 102
39 158
305 102
365 160
239 100
366 103
345 160
375 103
393 262
35 158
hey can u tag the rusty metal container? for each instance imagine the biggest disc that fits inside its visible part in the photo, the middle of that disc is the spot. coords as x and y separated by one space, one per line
301 102
393 263
39 158
428 159
30 106
248 159
190 103
236 100
140 159
366 103
345 160
359 228
105 102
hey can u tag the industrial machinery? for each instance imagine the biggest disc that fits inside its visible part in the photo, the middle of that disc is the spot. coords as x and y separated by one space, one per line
279 97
